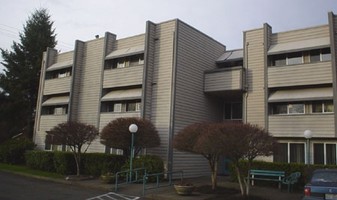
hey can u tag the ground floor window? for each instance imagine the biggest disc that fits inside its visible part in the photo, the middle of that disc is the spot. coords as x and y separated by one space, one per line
324 153
289 152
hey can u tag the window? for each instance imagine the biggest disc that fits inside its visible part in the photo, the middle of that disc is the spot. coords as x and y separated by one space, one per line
322 107
281 152
123 62
58 74
233 111
279 60
54 110
316 55
324 153
124 106
296 108
289 153
287 108
295 58
315 107
326 54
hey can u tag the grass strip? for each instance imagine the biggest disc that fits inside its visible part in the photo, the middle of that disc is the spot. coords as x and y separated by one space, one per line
20 169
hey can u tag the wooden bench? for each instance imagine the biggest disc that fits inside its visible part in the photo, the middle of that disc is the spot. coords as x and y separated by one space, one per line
266 175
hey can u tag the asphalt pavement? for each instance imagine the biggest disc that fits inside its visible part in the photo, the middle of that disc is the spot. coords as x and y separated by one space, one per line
14 187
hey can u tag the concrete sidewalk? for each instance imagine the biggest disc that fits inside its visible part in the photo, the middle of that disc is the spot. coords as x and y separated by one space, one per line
168 193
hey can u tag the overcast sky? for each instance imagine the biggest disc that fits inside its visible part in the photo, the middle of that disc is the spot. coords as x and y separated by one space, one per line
223 20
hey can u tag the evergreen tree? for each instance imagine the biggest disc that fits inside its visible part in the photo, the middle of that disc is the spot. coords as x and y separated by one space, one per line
20 81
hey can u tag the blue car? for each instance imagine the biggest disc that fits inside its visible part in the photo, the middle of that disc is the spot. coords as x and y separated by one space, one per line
323 185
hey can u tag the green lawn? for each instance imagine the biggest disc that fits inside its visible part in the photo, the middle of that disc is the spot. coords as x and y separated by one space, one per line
20 169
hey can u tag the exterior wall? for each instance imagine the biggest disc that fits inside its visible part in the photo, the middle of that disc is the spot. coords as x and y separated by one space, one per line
304 74
129 42
300 34
57 86
195 53
333 42
254 61
76 80
150 44
89 89
162 84
123 77
294 125
224 80
46 123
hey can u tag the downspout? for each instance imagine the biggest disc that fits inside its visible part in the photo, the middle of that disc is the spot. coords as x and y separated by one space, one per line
246 84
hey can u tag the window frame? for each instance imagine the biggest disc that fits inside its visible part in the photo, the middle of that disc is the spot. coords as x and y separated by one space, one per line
324 152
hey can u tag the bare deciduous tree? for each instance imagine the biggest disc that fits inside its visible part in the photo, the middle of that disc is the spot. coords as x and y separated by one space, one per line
116 135
75 135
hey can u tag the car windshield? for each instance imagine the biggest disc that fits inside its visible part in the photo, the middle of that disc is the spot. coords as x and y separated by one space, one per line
324 177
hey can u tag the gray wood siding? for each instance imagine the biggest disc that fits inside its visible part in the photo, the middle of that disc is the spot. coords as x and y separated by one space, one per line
254 55
296 75
225 80
295 125
123 77
90 75
300 34
47 122
148 69
129 42
161 85
108 117
196 53
76 80
64 56
57 86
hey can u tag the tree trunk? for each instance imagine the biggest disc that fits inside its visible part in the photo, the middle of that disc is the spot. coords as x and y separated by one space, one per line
77 155
240 181
214 174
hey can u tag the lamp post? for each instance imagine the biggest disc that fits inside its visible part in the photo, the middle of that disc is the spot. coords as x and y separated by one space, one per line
308 135
133 128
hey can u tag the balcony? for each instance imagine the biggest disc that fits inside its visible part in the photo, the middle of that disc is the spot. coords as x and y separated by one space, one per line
322 125
122 77
57 85
225 79
105 118
303 74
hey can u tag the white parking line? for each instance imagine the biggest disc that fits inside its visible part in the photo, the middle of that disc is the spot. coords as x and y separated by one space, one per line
114 196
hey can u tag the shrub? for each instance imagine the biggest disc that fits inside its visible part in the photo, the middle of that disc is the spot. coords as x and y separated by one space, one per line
40 160
153 164
13 150
97 164
64 163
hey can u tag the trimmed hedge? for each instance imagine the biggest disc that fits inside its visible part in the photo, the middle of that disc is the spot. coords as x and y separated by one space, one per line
13 151
64 163
153 164
97 164
42 160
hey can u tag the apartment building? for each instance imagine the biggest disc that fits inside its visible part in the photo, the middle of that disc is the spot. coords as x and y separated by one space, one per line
174 75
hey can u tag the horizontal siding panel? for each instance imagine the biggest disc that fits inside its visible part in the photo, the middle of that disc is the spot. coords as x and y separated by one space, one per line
255 111
306 74
123 77
57 86
295 125
47 122
223 80
300 34
129 42
65 56
105 118
90 84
